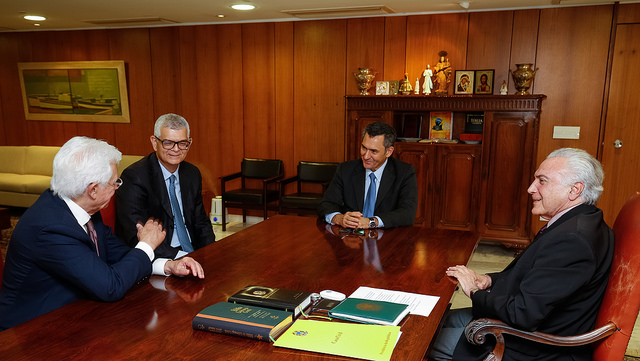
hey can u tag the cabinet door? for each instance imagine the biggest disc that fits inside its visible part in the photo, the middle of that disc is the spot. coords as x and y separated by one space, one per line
420 156
456 186
508 154
357 121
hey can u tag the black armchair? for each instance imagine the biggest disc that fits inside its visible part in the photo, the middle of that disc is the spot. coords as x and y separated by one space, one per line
304 201
267 172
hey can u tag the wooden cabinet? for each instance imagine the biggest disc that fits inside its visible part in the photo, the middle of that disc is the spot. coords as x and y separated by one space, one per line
480 187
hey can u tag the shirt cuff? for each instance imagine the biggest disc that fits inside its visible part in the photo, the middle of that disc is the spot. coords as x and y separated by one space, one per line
330 216
158 266
380 222
147 249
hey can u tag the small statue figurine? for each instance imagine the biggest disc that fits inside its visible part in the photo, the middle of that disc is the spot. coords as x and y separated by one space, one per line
405 85
442 74
417 89
503 88
428 82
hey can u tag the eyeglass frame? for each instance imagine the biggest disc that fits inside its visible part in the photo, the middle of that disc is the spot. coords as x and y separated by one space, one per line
117 183
173 144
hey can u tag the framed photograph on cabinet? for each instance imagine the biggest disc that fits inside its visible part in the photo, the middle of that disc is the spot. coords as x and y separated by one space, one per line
464 82
382 88
440 125
77 91
484 81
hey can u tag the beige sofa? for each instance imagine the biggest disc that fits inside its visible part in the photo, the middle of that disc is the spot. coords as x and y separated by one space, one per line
25 172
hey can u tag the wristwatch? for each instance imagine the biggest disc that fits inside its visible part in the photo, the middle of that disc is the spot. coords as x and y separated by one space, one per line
372 222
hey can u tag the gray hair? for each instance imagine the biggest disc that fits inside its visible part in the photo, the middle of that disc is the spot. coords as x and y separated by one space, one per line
80 162
582 167
171 121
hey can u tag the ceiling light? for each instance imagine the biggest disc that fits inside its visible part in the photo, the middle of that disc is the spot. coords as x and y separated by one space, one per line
243 7
35 17
464 4
220 15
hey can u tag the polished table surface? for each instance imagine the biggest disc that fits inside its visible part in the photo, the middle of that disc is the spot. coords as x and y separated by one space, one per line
290 252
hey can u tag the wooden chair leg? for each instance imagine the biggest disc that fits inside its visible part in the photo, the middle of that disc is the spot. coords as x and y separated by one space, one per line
224 219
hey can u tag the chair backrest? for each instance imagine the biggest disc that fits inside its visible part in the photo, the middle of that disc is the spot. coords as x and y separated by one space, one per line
318 172
261 168
622 298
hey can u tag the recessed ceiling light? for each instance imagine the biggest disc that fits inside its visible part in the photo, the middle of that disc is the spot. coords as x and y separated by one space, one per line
35 17
220 15
243 7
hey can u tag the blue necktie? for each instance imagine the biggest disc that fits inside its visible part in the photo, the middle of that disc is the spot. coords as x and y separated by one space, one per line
370 199
180 228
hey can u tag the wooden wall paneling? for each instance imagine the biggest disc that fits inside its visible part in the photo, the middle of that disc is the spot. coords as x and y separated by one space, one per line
218 90
132 46
284 95
165 72
628 13
572 52
192 85
72 48
622 164
258 90
427 35
489 44
524 40
365 49
319 84
93 49
12 123
573 46
45 47
395 47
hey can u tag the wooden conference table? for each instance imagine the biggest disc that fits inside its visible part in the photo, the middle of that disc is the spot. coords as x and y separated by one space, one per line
284 251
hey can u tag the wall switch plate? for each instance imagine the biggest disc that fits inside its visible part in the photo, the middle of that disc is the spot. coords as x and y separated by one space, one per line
562 132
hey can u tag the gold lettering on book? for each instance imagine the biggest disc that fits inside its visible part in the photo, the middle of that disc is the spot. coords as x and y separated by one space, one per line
337 338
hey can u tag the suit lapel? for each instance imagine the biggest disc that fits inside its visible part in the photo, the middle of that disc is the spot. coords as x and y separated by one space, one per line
68 218
159 186
388 179
360 185
184 194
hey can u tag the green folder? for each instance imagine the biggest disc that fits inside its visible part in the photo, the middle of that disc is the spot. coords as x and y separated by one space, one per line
368 342
370 311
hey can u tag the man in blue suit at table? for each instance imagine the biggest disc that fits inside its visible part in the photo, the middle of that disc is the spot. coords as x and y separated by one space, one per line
60 251
351 202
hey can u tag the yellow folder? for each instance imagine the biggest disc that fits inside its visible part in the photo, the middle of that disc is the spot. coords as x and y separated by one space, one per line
368 342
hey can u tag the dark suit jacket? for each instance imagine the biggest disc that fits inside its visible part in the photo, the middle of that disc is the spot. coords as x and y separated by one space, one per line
397 199
51 262
555 286
143 194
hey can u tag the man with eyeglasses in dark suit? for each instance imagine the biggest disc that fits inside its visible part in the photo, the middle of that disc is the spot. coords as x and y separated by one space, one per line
163 186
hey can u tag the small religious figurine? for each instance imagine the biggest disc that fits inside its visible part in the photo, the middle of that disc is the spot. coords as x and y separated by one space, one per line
417 89
405 85
428 81
503 88
442 74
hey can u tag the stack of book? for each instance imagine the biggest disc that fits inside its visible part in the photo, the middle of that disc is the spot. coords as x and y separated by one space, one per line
255 312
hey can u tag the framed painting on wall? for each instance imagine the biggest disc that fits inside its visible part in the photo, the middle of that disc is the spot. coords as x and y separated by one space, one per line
77 91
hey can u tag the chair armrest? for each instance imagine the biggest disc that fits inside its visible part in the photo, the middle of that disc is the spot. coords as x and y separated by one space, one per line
288 180
272 179
477 330
229 177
